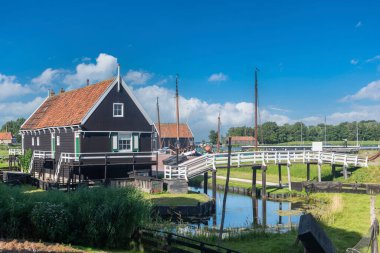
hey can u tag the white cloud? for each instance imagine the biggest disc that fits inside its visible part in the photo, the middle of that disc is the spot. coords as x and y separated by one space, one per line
217 77
354 61
370 91
47 77
375 58
10 88
104 68
137 77
201 115
359 24
14 110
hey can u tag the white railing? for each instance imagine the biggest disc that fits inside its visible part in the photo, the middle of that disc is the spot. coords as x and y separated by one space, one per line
15 151
42 155
70 157
208 162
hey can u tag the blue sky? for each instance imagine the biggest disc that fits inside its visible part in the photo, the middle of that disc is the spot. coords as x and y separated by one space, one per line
315 58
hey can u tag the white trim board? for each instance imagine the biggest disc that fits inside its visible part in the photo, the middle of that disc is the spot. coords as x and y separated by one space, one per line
104 95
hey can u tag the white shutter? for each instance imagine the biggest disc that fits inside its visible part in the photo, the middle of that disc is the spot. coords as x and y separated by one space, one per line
114 143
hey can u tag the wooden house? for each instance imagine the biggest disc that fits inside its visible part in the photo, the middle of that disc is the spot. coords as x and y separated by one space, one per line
100 131
242 140
6 138
168 135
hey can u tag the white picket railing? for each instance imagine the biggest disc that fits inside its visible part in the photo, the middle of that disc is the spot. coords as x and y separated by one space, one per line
199 165
42 155
15 151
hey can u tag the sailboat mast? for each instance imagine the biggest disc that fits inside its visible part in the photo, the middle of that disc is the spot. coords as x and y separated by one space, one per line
218 139
177 114
256 105
159 125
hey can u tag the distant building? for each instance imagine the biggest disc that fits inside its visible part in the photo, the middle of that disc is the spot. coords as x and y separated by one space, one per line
242 140
6 138
168 135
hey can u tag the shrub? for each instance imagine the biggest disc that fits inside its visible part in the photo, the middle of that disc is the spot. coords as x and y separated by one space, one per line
101 217
26 159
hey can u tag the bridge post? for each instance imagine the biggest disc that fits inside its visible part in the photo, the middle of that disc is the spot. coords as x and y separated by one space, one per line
333 170
319 172
345 171
308 171
264 182
205 182
279 176
289 180
253 193
214 187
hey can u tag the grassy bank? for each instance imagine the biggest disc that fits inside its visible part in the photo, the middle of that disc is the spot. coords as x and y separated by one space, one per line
169 199
297 172
344 217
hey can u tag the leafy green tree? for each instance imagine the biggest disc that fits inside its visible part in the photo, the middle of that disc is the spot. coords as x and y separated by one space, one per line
13 126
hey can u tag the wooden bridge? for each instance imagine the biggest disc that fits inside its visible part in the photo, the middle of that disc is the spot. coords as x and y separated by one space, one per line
210 162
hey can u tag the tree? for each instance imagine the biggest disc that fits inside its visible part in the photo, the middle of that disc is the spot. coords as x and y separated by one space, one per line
13 126
213 137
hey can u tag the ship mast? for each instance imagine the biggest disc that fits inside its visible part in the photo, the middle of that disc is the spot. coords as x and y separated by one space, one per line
177 114
256 105
159 125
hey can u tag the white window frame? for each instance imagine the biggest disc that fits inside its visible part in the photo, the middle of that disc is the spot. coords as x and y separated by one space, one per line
122 110
38 141
32 141
58 140
125 137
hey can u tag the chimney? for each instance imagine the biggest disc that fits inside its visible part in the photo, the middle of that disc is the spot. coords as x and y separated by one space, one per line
62 91
51 93
88 82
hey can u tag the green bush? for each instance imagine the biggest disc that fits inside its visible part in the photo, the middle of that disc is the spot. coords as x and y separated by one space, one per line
26 159
100 217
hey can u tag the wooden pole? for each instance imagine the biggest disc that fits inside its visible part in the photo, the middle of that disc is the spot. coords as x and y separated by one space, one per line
253 193
264 182
214 187
264 212
225 192
333 171
159 125
279 176
308 171
319 172
205 182
218 139
289 180
177 114
256 105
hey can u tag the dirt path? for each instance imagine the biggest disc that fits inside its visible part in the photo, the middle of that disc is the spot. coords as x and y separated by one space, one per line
27 246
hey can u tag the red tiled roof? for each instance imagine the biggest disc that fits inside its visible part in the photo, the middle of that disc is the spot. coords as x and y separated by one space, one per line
242 138
68 108
5 136
169 130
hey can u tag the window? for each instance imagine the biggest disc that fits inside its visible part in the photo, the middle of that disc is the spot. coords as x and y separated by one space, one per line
32 141
38 141
118 110
58 140
125 142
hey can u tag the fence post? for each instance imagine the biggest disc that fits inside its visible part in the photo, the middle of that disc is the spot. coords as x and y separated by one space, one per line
238 159
289 180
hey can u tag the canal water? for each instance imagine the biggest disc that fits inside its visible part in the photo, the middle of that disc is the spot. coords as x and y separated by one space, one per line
243 211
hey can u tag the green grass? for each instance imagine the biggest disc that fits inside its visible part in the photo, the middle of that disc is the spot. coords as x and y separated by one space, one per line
349 143
297 173
171 199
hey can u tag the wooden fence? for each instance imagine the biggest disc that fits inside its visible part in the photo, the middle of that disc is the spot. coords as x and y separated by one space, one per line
152 240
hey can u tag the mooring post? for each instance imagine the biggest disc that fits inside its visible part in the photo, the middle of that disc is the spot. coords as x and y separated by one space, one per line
253 193
214 187
333 170
345 171
279 176
205 182
289 180
264 181
319 172
308 171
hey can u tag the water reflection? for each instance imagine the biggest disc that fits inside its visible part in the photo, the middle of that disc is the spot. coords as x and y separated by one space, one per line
245 211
